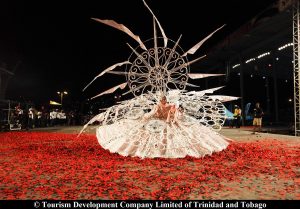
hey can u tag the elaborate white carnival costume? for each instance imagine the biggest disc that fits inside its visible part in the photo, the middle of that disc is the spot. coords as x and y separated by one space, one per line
163 119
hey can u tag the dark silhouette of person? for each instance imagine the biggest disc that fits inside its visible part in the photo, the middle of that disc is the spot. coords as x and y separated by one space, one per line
257 118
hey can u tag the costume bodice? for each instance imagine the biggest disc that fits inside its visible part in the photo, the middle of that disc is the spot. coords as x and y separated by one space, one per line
162 111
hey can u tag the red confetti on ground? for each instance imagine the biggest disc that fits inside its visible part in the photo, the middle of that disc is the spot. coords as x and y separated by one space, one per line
62 166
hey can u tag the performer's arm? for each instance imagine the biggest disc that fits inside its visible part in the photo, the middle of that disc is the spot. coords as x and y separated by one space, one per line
151 113
171 113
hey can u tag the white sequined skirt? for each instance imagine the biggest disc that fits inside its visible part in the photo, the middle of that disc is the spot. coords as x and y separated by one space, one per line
156 138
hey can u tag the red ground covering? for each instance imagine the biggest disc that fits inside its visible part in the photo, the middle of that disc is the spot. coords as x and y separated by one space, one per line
62 166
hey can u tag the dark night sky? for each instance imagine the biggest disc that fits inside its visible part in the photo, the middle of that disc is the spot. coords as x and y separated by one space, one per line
61 48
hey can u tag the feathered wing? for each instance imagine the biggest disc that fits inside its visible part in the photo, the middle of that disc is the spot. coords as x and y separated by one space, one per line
111 90
198 45
161 29
202 75
98 117
208 91
224 98
106 71
123 28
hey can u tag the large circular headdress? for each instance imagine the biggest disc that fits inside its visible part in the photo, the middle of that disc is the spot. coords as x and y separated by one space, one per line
161 67
157 69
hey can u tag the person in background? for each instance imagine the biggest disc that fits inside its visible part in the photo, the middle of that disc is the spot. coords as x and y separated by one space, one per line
237 116
19 115
31 116
61 117
257 118
43 117
53 116
71 118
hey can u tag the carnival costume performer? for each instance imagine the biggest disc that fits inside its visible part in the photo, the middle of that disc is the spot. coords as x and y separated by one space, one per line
163 119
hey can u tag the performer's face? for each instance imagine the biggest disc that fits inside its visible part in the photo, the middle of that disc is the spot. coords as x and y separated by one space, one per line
163 100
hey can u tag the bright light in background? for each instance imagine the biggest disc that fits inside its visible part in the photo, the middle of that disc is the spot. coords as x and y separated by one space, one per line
285 46
263 55
250 60
234 66
61 94
290 100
